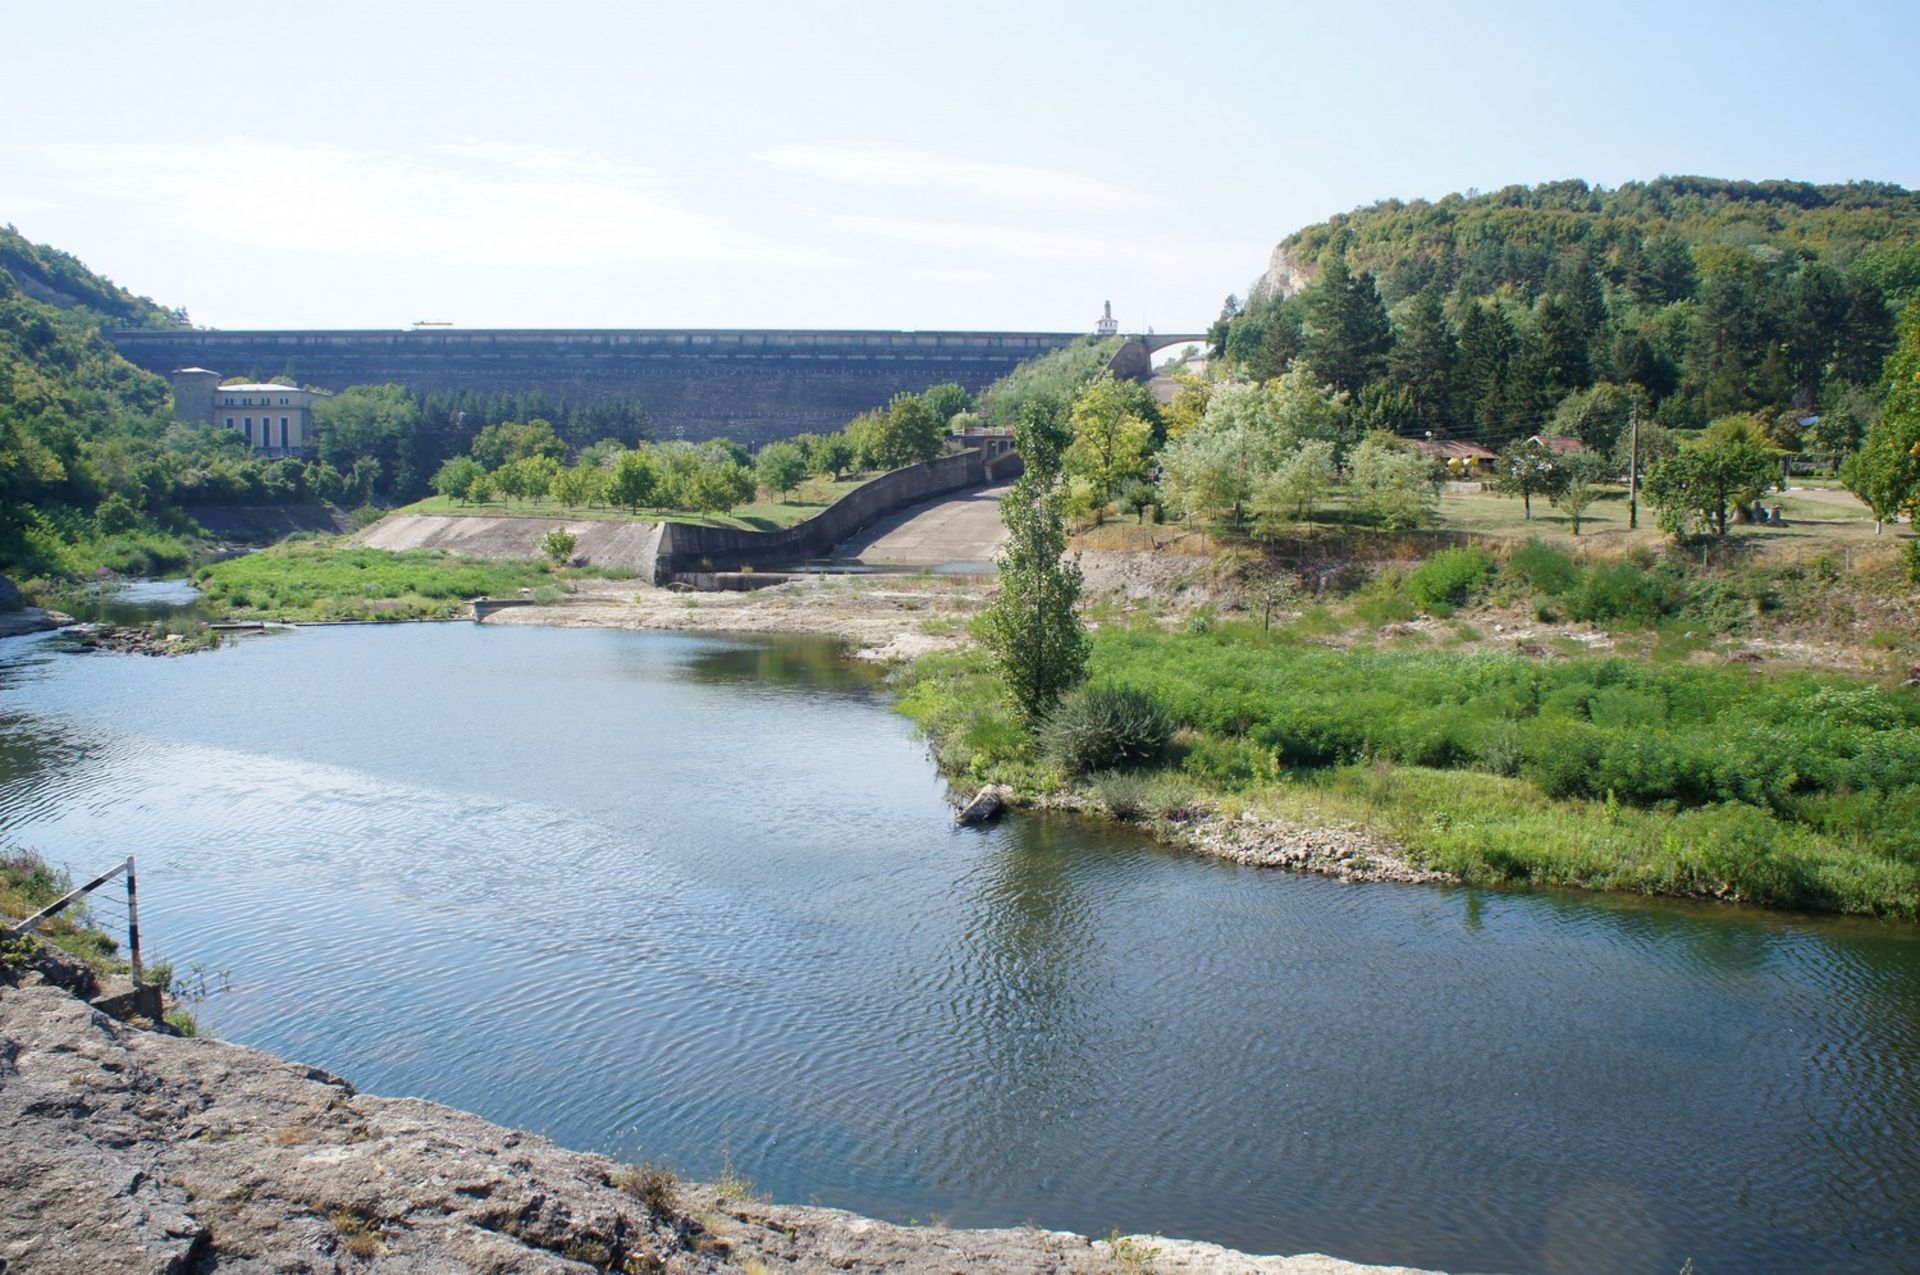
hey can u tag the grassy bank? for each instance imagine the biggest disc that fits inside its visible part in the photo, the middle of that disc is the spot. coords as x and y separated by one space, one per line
322 581
1796 791
27 884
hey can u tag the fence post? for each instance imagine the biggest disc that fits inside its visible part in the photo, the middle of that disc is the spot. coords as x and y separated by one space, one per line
133 926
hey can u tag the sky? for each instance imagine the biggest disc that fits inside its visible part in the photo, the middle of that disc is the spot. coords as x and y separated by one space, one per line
983 165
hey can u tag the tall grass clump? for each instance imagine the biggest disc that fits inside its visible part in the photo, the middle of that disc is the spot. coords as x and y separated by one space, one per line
1098 727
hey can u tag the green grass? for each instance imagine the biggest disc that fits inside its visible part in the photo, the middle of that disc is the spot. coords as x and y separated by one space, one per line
1796 791
322 581
27 884
802 503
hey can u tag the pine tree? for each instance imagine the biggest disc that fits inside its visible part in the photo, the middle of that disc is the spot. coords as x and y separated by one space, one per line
1487 346
1564 360
1347 333
1425 359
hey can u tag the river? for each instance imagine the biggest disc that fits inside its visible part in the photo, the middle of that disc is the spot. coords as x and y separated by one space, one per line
699 901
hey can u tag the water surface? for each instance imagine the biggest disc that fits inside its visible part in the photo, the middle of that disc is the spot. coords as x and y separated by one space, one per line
698 900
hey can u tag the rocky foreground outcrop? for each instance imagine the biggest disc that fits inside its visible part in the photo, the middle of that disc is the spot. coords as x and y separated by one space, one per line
129 1151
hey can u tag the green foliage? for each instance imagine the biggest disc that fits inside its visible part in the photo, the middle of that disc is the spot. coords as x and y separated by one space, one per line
1393 484
1104 728
635 479
1701 297
1543 567
307 580
499 445
559 544
779 467
1451 578
1032 627
1796 790
1112 432
27 884
1529 468
456 478
1298 483
1692 489
1885 472
1054 378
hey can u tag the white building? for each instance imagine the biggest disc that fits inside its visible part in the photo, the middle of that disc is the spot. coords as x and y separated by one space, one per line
1107 325
276 420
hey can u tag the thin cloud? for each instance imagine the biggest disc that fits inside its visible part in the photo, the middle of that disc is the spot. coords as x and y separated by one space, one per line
475 203
879 164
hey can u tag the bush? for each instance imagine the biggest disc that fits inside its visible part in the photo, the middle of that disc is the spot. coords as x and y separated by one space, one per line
1105 728
1449 579
1544 568
1620 591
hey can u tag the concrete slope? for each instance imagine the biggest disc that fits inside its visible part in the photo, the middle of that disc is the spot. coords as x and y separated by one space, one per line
953 529
601 544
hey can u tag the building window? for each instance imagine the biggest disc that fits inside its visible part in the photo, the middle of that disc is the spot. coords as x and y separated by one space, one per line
249 431
283 433
283 403
229 422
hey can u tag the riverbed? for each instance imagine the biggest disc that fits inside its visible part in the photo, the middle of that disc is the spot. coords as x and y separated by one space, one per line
699 900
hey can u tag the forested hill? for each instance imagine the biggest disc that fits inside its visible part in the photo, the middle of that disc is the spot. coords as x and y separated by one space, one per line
57 278
94 469
1479 315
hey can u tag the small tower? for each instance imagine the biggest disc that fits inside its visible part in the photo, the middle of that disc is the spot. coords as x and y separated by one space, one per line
193 389
1107 326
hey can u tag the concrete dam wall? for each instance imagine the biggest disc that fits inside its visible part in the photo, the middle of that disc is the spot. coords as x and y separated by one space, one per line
750 385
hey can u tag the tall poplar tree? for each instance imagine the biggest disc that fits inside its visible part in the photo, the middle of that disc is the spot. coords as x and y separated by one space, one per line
1033 626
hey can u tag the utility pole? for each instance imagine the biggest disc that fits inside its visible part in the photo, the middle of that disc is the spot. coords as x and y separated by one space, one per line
1633 471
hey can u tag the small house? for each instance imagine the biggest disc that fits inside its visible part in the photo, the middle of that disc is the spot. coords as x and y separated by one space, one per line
1463 459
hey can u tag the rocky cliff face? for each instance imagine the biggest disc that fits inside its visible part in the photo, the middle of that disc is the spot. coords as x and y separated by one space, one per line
1285 276
134 1152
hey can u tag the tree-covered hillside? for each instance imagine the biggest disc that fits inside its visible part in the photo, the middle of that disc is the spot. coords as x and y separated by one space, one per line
1486 315
94 469
47 274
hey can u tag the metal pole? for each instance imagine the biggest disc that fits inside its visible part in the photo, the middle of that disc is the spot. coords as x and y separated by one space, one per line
133 926
1633 471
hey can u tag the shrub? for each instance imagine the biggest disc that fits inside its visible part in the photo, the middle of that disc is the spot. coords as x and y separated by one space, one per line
650 1184
1105 728
559 544
1450 578
1544 568
1620 591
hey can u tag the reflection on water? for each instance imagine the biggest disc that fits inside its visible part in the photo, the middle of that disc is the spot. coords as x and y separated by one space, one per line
688 899
134 602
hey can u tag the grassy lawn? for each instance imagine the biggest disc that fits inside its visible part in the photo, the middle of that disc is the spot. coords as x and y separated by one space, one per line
326 581
801 504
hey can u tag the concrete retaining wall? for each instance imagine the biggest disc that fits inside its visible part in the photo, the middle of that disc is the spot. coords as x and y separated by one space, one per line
685 548
658 551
